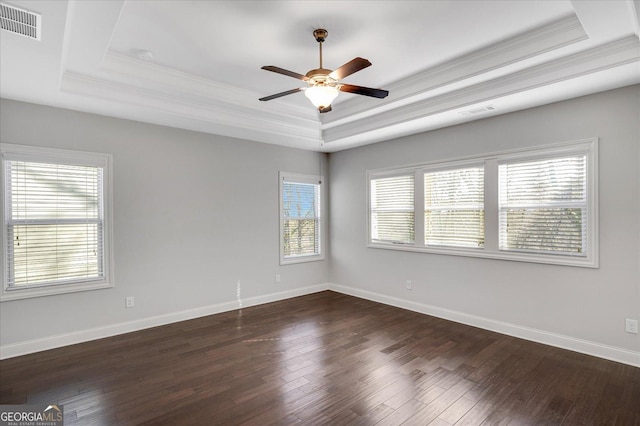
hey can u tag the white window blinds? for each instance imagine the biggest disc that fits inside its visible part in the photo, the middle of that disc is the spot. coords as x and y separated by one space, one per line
300 217
454 207
531 205
543 205
54 223
392 209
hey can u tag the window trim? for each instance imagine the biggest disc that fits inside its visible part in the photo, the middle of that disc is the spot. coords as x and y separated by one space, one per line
301 178
491 187
68 157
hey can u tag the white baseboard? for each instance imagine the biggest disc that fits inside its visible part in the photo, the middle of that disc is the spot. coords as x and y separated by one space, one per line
43 344
540 336
566 342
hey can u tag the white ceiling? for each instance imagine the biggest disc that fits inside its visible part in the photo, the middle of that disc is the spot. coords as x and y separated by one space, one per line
439 60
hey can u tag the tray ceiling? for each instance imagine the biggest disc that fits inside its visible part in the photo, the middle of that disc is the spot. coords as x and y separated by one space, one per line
196 64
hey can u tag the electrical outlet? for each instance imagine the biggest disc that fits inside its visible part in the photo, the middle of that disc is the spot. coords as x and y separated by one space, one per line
631 326
277 278
409 285
129 302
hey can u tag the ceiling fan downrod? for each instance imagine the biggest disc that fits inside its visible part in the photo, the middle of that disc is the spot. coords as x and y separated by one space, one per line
320 34
319 75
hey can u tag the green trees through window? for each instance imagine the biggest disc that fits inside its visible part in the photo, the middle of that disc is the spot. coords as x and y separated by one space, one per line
300 218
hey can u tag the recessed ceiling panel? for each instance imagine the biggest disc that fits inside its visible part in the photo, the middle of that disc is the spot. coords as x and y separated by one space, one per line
228 41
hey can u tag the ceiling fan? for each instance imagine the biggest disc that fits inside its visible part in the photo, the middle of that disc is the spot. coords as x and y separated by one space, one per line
323 84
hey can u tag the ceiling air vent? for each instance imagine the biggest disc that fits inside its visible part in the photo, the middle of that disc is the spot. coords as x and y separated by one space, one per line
20 21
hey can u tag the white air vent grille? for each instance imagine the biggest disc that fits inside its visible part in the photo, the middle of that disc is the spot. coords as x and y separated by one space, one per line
20 21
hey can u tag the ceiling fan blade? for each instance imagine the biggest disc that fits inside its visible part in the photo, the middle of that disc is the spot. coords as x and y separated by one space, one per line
366 91
326 109
279 95
285 72
349 68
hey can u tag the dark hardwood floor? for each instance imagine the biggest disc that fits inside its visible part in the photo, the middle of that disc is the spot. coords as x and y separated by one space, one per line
323 359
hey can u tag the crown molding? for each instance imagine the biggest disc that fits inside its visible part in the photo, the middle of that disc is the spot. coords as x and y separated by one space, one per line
156 93
135 81
528 44
606 56
212 114
152 75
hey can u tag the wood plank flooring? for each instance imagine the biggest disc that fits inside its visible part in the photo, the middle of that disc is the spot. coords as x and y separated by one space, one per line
323 359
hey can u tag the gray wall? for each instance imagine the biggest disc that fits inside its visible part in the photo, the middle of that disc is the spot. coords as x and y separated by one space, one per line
193 214
586 304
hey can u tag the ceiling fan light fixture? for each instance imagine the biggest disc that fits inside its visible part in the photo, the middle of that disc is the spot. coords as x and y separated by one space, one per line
321 96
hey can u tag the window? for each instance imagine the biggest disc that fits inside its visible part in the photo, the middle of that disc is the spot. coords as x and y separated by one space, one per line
543 205
392 209
535 205
56 235
454 207
300 218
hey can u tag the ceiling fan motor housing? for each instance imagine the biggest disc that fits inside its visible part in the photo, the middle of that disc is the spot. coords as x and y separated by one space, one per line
320 76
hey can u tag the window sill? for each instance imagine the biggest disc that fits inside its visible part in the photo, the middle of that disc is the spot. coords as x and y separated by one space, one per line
301 259
562 260
26 293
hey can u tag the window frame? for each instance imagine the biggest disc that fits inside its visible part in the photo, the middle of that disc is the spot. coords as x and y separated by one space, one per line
491 162
11 152
303 179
